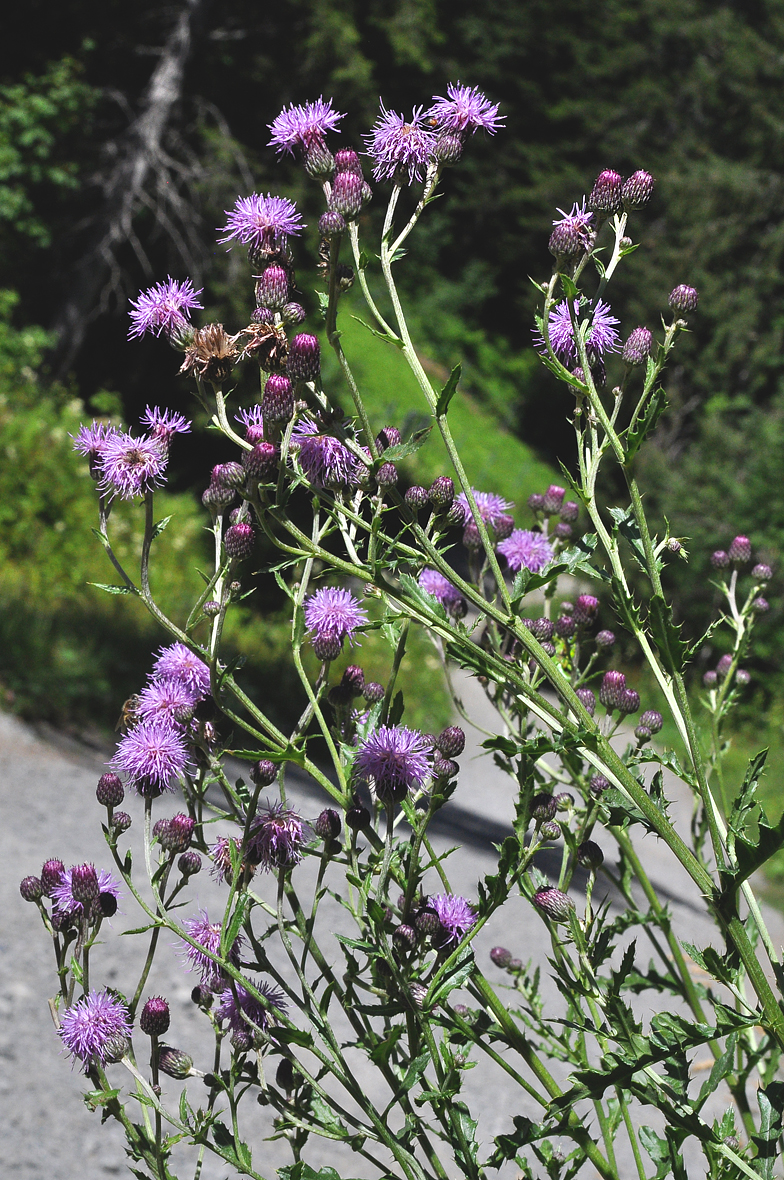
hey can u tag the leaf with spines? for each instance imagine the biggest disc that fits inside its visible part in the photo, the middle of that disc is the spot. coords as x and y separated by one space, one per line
448 392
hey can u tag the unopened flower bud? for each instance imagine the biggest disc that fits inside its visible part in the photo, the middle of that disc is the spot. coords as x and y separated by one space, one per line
642 733
536 501
742 677
292 313
189 863
327 826
550 830
121 821
110 791
630 702
346 194
652 720
357 817
445 768
51 876
607 192
442 493
720 560
427 922
553 500
217 498
541 629
263 773
637 190
739 551
710 679
598 783
637 348
272 288
228 475
565 626
303 362
590 855
724 665
543 807
31 888
174 1062
683 298
562 531
347 160
605 639
404 937
277 404
760 606
451 741
501 956
674 545
373 692
416 498
585 609
570 510
762 572
84 882
612 690
331 224
554 904
262 462
386 476
587 699
563 800
155 1019
178 833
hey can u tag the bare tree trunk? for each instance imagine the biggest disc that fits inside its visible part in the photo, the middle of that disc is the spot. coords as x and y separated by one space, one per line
138 153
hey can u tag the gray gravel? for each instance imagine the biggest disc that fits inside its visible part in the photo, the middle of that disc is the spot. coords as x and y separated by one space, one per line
47 789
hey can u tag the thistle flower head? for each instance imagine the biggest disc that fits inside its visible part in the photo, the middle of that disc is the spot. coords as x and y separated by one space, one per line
164 308
455 914
333 613
163 697
526 549
263 223
400 147
164 424
179 662
602 333
325 460
131 466
394 759
465 109
243 1011
571 233
91 442
208 936
96 1029
492 509
277 838
152 754
300 126
440 587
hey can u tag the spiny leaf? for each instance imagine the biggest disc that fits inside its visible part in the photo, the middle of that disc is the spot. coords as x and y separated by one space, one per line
448 392
646 423
112 589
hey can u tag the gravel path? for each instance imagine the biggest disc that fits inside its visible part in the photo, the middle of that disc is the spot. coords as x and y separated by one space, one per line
48 805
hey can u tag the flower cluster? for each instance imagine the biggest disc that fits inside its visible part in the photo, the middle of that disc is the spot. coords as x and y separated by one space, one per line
96 1030
123 464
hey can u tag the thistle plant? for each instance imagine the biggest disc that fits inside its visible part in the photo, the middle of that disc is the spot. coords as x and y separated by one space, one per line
288 1004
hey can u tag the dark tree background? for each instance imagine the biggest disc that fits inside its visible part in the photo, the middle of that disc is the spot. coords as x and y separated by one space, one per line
126 130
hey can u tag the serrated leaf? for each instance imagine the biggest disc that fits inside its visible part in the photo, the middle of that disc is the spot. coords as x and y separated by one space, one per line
158 528
462 970
568 286
112 589
448 392
414 1072
396 709
387 337
666 635
771 1106
646 422
403 449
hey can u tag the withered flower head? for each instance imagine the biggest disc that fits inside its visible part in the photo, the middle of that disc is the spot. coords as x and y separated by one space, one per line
268 344
212 353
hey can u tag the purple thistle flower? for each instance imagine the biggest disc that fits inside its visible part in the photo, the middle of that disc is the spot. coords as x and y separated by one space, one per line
395 759
277 838
441 589
96 1029
179 662
220 853
571 233
333 614
465 109
208 935
161 699
164 424
91 442
152 754
526 549
261 222
602 336
455 914
131 466
398 147
300 126
243 1011
253 421
163 308
64 900
324 459
491 508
